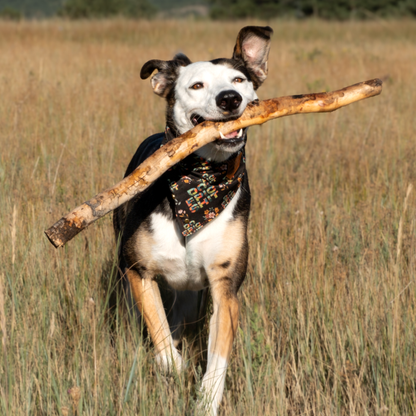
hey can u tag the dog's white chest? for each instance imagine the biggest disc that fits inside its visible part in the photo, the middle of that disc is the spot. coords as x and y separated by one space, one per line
184 261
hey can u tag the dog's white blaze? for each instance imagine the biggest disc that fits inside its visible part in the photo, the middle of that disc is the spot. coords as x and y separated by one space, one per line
185 264
213 383
214 78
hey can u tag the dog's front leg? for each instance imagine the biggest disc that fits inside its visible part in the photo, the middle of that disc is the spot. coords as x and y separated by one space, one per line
146 294
223 327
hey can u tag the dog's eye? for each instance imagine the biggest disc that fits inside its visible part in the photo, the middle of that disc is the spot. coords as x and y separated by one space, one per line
197 86
239 80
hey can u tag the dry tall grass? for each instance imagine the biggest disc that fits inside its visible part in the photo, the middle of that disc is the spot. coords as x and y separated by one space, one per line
328 306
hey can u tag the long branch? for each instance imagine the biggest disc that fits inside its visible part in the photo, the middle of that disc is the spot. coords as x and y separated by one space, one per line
174 151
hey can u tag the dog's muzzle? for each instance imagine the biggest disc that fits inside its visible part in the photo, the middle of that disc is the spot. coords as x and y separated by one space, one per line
228 102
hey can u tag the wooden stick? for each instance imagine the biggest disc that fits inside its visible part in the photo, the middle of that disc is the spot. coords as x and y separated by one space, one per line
257 112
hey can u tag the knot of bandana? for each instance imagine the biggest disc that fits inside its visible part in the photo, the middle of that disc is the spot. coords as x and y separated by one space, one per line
201 189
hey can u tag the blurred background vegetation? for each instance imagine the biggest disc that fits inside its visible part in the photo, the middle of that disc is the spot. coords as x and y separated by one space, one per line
215 9
328 307
327 9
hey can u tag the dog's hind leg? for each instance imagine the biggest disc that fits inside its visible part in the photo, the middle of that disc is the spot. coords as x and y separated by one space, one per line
182 313
146 294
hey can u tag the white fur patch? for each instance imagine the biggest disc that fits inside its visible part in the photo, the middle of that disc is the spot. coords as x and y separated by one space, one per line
184 265
169 250
217 153
214 79
168 360
213 383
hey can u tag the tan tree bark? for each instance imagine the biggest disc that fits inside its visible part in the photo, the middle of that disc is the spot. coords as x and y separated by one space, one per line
257 112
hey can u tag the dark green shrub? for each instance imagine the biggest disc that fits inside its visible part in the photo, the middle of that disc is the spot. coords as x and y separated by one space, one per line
8 13
78 9
326 9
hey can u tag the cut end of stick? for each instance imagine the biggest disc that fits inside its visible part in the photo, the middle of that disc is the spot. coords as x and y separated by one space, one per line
374 83
62 227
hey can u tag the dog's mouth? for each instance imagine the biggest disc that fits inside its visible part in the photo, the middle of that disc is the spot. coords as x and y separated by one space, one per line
197 119
233 137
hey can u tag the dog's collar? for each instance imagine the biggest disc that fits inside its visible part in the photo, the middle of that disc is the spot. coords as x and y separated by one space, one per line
202 189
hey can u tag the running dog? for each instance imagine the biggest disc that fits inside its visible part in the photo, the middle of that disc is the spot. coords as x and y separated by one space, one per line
188 231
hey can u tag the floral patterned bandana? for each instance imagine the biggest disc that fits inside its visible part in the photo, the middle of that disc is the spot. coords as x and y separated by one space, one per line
201 189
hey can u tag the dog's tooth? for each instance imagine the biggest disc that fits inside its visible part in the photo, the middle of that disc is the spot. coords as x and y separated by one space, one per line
240 133
222 136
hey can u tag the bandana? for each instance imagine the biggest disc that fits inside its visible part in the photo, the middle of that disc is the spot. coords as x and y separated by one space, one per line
201 189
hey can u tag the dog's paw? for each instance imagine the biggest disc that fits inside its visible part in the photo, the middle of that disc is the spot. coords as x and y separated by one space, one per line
212 386
170 361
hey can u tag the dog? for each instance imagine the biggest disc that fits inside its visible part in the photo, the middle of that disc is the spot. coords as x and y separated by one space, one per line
188 231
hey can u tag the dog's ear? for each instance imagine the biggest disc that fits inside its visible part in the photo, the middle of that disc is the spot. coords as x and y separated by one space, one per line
163 81
252 47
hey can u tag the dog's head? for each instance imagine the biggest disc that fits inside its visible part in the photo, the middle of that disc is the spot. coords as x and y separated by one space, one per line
217 90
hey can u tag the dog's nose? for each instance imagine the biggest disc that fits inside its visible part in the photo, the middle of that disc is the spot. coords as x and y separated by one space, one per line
229 100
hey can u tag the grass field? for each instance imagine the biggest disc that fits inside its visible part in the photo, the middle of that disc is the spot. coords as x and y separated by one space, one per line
328 308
